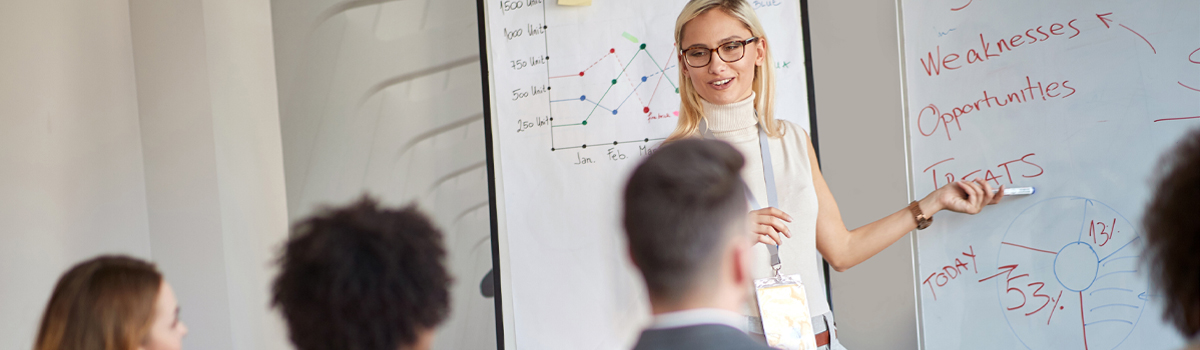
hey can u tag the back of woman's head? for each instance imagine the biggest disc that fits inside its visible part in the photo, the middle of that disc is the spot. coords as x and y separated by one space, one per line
106 303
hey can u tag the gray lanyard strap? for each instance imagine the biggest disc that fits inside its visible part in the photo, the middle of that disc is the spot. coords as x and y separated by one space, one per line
768 176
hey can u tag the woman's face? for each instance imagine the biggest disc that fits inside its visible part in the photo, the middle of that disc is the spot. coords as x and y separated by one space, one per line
721 82
166 330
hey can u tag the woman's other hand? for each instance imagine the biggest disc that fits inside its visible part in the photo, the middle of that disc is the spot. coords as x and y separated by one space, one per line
768 223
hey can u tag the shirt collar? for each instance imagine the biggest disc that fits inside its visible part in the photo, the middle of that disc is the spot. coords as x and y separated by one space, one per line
695 317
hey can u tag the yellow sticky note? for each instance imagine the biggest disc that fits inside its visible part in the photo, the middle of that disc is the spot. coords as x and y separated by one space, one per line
575 2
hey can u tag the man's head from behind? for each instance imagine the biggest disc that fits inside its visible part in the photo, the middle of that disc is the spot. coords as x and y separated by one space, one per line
363 277
685 219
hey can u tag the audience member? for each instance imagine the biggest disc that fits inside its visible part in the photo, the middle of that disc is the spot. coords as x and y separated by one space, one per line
111 303
685 220
363 277
1173 237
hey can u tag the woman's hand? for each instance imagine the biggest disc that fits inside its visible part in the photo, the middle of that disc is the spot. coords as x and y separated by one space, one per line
963 196
767 223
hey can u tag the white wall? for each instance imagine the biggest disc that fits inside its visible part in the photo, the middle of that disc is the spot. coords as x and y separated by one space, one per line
856 71
71 173
214 172
147 128
385 98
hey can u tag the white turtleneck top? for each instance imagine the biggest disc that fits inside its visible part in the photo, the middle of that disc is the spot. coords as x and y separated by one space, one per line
736 123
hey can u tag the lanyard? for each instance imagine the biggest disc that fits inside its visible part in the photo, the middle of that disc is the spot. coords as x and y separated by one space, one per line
768 176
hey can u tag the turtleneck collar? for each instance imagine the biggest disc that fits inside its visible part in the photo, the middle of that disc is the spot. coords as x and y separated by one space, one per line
730 117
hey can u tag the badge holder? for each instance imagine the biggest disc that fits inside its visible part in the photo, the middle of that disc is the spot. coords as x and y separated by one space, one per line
783 308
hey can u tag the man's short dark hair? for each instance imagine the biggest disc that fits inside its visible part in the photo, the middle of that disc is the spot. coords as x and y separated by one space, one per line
679 205
1173 235
362 277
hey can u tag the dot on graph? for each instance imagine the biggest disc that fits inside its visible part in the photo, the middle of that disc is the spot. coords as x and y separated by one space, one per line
612 50
614 82
643 47
583 98
581 74
647 140
643 79
646 110
614 112
677 90
551 149
584 122
584 146
614 143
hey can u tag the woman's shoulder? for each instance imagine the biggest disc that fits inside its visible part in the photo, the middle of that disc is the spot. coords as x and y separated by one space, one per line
792 132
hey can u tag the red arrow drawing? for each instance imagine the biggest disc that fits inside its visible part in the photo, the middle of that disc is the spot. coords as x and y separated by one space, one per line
1106 20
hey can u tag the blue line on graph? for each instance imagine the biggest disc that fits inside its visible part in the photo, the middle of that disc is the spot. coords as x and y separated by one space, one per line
1122 247
598 105
1121 258
1115 272
1103 289
631 93
1103 321
1111 305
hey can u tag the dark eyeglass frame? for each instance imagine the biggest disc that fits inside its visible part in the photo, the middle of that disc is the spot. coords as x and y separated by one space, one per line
713 52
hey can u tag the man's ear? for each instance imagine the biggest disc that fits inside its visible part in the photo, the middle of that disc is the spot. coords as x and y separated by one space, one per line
740 261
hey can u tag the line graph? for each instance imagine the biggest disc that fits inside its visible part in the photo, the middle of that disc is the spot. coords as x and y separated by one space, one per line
577 101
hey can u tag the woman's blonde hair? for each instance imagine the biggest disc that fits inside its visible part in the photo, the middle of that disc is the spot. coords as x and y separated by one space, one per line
690 109
106 303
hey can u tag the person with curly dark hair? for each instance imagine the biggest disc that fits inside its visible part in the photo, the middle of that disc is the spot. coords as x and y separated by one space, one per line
363 277
1173 237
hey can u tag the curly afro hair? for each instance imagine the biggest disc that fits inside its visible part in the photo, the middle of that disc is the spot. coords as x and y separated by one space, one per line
362 277
1173 234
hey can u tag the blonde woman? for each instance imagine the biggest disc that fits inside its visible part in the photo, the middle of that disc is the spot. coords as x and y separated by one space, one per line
111 303
728 92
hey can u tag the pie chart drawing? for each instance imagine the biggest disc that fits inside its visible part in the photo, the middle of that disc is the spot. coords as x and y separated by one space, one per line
1067 275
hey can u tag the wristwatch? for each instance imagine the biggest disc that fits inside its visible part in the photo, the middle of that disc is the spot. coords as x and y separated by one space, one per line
923 221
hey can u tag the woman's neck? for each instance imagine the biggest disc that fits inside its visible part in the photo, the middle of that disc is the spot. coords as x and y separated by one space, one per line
729 117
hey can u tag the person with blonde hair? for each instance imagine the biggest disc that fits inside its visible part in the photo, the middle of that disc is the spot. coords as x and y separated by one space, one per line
111 303
727 90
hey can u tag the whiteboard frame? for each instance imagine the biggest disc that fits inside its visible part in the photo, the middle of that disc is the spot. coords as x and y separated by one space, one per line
505 337
908 169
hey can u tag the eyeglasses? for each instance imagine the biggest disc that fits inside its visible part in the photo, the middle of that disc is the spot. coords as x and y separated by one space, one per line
698 57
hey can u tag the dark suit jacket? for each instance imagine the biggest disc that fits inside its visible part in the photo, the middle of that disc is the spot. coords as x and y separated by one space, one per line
700 337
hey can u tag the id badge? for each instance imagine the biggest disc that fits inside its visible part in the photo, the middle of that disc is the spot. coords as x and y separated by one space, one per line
783 306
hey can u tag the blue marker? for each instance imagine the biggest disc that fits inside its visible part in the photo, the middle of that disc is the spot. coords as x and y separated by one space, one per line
1018 191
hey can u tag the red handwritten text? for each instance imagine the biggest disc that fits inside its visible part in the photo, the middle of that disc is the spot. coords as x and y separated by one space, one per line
933 66
931 117
950 272
1025 165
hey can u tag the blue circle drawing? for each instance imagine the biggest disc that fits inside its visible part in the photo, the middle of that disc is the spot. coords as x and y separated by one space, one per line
1077 269
1086 294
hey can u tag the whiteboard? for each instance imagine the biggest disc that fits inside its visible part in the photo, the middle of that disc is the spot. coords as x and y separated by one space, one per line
577 96
1077 99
